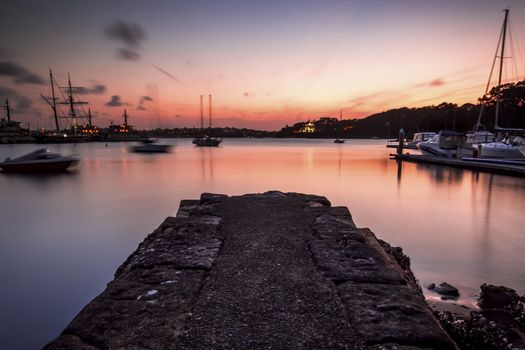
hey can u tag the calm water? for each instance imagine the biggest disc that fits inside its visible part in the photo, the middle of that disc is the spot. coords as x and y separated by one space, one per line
62 237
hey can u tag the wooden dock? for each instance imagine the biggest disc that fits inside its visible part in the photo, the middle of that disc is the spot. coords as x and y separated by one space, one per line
273 270
472 164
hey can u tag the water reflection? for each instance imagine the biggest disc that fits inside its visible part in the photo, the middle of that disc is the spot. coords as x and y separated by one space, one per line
70 232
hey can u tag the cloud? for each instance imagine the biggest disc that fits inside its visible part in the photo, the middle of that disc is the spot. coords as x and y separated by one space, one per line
130 34
19 74
4 53
7 92
96 89
169 75
115 101
248 94
437 82
128 55
21 103
144 99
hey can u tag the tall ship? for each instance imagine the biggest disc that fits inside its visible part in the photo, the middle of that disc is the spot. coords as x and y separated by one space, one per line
122 132
80 127
11 131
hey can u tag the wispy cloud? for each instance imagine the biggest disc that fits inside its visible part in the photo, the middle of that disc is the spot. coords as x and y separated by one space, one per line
19 74
22 103
143 99
168 74
96 89
128 55
115 101
248 94
128 33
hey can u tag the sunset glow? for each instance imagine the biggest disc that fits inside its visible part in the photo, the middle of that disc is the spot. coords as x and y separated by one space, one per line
267 64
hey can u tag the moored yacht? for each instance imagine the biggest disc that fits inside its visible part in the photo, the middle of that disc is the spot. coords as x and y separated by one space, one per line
206 140
445 144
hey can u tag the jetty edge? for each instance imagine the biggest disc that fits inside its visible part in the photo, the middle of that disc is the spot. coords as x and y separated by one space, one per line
279 270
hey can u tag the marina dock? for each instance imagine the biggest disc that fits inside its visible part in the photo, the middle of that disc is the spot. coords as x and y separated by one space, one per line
272 270
470 164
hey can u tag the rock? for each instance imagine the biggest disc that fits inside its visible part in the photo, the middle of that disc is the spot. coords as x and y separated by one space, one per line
497 297
445 289
502 318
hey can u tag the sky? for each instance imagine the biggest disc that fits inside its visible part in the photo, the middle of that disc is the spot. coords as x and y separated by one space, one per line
266 63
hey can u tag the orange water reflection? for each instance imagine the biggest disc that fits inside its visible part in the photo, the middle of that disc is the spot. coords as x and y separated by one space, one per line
71 232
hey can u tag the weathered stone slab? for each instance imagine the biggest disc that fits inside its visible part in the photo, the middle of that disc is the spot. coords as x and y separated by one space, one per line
386 313
259 271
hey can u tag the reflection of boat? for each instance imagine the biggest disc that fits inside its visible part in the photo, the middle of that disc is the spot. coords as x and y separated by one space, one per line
41 160
206 141
150 146
444 144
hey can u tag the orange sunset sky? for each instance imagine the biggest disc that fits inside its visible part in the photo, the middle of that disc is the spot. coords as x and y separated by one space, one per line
266 63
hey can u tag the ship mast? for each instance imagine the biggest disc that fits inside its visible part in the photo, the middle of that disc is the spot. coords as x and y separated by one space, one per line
89 118
8 110
71 102
125 118
53 102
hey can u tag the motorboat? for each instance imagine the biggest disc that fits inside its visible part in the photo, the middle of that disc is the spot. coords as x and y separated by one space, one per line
41 160
151 146
339 141
206 141
506 148
445 144
419 137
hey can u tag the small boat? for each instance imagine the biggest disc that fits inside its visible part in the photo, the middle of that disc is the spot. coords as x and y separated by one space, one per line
339 141
206 141
445 144
40 161
150 146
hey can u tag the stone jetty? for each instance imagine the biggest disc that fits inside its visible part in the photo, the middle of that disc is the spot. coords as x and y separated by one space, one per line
259 271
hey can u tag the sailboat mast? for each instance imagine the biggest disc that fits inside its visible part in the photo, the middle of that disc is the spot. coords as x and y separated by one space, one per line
209 103
54 105
125 118
89 118
202 112
501 58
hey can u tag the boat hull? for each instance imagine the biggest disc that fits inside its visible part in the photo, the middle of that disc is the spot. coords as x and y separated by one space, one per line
38 167
207 142
151 149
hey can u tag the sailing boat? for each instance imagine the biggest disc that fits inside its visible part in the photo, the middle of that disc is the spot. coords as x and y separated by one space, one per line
507 147
338 140
206 140
62 136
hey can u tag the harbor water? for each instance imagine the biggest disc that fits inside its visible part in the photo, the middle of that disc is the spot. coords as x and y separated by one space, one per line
63 236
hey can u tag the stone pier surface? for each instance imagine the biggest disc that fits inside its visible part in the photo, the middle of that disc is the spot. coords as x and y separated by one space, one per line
259 271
